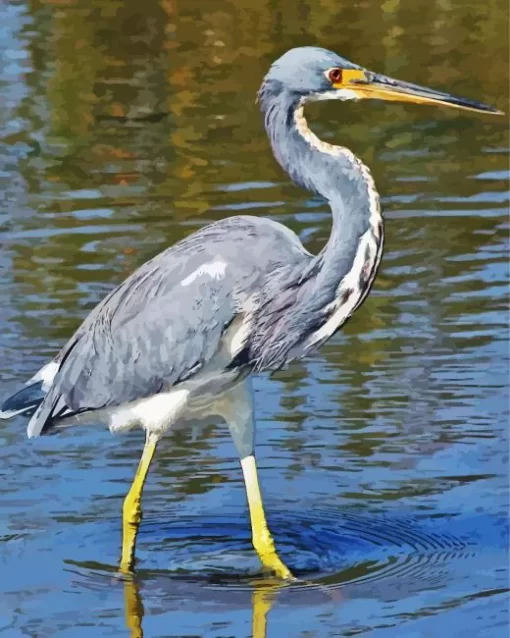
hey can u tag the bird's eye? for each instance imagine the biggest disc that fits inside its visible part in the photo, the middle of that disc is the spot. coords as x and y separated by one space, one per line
335 75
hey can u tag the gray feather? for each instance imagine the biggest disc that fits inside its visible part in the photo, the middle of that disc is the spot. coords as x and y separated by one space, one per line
152 332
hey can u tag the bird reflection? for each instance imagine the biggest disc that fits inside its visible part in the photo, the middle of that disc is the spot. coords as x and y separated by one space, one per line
133 608
263 597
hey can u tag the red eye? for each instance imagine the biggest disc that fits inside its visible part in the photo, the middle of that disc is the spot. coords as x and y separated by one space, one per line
335 75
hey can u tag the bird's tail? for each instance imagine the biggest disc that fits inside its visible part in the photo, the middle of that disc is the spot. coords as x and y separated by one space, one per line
25 401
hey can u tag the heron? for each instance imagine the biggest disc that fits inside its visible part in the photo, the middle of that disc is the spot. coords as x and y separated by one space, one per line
180 339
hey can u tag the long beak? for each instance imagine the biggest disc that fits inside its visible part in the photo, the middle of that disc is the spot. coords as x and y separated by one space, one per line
379 87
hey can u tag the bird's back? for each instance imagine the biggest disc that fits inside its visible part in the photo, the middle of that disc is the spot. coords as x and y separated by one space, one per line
165 322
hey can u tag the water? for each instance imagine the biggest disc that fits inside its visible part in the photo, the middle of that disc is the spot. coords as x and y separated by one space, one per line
384 460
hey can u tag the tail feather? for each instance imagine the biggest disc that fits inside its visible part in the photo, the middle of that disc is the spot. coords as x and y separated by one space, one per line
43 418
25 401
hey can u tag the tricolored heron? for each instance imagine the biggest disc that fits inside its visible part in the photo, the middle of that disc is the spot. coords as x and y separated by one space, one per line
179 338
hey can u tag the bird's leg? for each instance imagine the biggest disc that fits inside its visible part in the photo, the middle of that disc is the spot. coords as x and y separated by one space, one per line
132 509
236 407
261 536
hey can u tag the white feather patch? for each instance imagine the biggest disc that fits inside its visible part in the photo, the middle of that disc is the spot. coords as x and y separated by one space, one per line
336 94
8 414
214 269
342 310
155 414
46 375
237 334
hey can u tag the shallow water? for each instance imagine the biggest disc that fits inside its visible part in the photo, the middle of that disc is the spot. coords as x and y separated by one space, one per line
384 459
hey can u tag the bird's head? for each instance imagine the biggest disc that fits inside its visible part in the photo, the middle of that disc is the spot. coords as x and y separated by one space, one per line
310 74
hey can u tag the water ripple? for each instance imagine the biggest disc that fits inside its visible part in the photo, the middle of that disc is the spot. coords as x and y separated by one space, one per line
337 548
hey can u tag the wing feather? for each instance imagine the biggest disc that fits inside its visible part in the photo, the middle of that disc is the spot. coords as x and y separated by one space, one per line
152 332
123 356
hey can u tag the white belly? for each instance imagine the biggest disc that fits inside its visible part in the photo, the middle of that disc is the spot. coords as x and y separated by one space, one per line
196 398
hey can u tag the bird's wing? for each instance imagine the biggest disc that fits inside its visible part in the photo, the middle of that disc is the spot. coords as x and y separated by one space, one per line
165 322
156 329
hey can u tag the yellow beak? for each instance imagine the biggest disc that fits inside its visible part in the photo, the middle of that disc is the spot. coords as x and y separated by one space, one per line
373 86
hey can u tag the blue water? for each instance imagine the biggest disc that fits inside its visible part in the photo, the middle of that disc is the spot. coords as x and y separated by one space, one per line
384 458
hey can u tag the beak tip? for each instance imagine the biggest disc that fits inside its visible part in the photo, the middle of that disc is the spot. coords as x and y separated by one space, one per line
494 111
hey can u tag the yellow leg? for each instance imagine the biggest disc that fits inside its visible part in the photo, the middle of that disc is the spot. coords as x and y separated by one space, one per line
262 539
132 510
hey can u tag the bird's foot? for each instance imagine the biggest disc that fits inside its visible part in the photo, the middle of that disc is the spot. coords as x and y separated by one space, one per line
272 562
279 569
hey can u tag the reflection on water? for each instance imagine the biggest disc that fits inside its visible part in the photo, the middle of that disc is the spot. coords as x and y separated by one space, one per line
263 596
339 556
384 459
262 599
133 608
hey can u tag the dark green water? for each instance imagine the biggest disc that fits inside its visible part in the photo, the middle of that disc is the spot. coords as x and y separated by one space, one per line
384 460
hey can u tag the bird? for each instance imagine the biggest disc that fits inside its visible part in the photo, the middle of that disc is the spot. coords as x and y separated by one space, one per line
181 338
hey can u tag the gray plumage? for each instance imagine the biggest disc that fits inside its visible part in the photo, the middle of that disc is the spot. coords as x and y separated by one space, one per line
152 332
166 326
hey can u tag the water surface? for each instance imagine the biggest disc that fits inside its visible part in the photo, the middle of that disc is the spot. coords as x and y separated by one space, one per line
383 459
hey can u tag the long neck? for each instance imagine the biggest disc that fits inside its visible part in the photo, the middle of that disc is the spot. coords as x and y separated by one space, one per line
332 172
